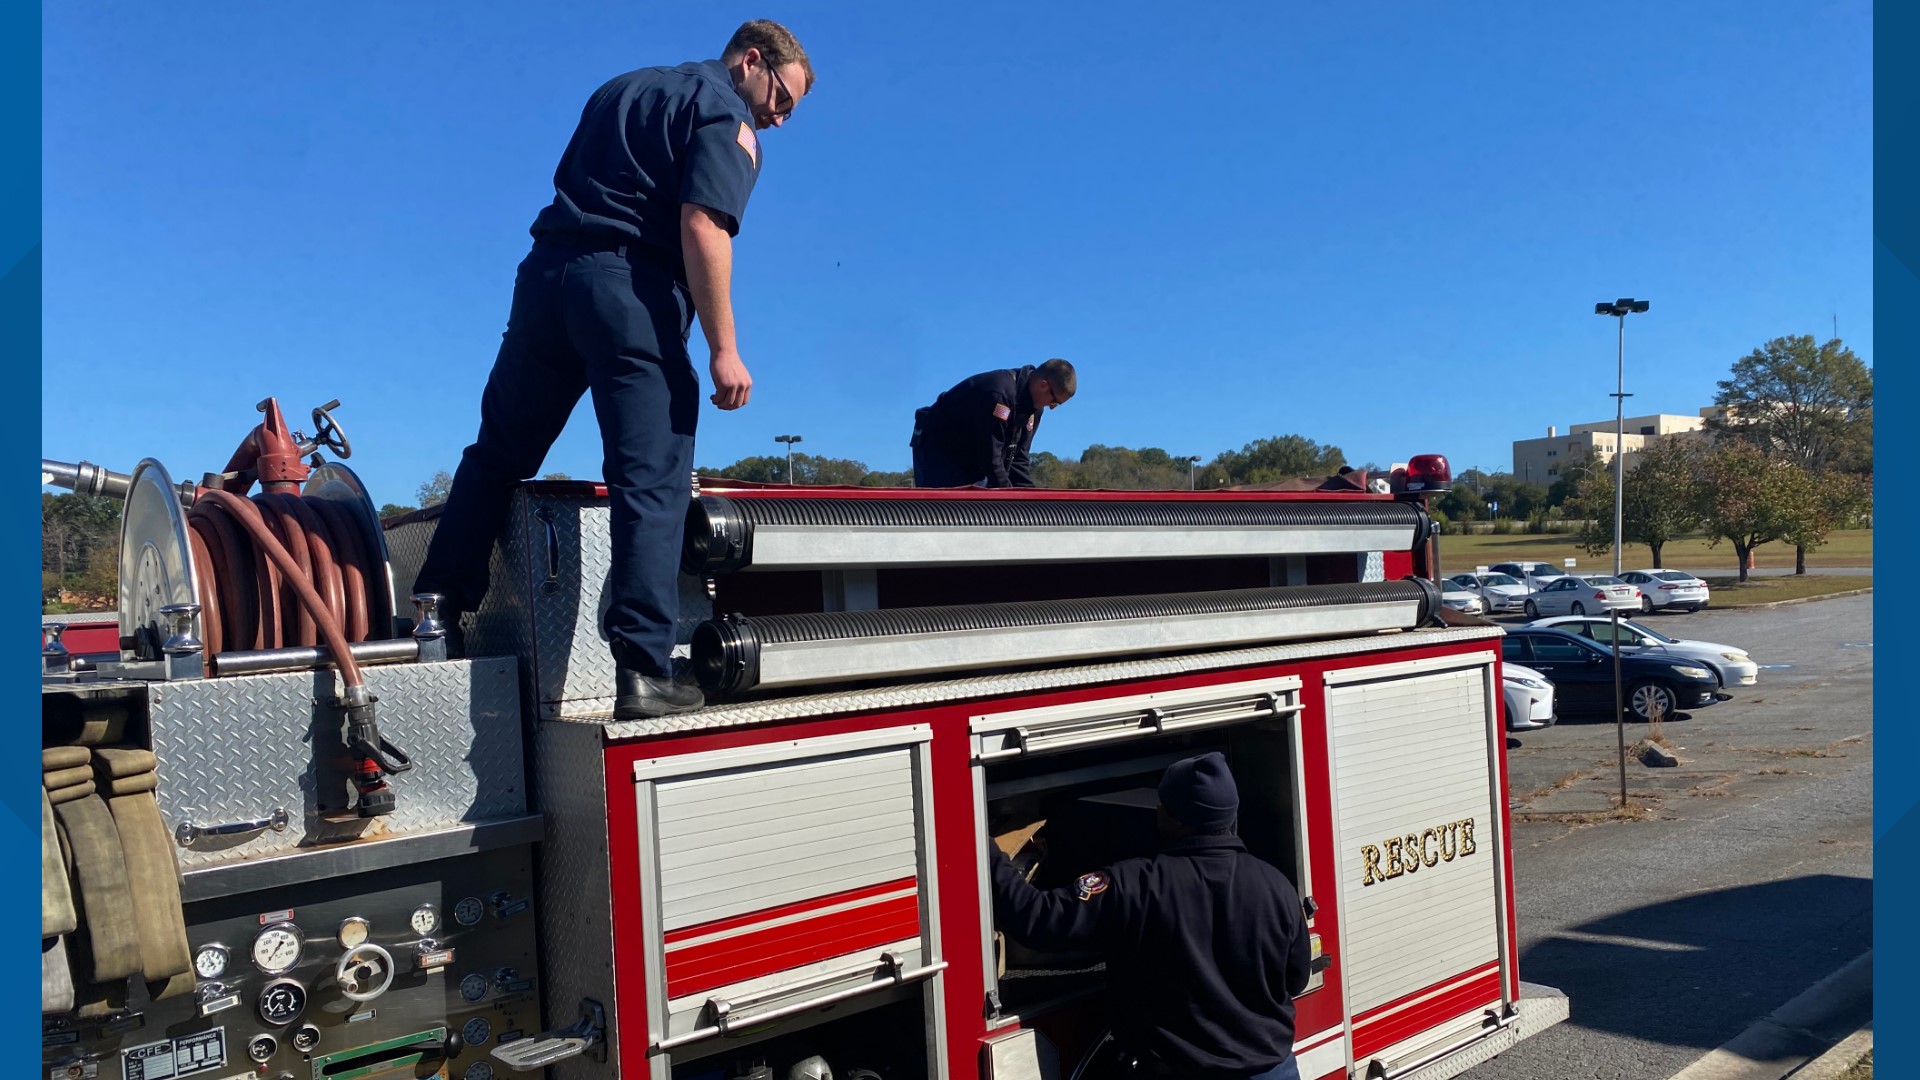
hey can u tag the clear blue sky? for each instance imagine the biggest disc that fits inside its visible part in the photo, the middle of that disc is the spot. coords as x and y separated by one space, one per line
1380 228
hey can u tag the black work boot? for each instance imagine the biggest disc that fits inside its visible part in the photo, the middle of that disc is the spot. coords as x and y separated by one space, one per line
643 697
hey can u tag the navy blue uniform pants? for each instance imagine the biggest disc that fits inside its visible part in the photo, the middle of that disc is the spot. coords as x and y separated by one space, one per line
932 468
586 321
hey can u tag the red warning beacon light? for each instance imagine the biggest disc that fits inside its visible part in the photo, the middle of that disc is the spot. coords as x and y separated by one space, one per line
1428 472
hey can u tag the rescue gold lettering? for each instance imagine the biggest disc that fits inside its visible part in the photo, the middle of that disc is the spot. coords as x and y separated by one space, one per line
1399 855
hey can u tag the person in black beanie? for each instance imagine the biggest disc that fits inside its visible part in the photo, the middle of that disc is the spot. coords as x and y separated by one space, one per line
1206 945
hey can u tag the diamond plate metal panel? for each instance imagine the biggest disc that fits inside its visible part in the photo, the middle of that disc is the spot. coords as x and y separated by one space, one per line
547 595
916 695
236 749
576 892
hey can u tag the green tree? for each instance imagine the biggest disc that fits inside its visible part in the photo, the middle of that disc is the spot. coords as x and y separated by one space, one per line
436 488
1461 503
1837 500
391 510
1661 504
1810 404
807 469
1749 499
1283 457
1807 404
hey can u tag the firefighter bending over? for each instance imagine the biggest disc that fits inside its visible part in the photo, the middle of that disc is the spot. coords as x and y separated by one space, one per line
980 431
1205 944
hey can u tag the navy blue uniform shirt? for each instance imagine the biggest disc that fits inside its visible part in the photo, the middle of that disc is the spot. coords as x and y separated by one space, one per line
982 429
648 142
1205 947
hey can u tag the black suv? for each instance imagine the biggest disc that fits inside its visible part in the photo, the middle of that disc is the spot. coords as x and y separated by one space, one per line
1581 671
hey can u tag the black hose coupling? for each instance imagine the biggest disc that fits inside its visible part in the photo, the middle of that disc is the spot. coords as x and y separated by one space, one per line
375 758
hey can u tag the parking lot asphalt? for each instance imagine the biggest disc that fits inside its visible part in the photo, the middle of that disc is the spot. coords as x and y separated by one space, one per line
1741 877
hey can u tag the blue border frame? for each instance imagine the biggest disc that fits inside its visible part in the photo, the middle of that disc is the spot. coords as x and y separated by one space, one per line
1896 334
19 339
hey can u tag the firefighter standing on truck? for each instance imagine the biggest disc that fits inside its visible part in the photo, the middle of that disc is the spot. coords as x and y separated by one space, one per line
638 239
1206 945
979 432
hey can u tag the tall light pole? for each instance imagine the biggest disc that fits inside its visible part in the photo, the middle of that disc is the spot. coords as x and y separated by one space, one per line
789 440
1619 309
1193 463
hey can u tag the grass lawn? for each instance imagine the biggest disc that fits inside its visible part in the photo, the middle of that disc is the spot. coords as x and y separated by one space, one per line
1850 548
1729 593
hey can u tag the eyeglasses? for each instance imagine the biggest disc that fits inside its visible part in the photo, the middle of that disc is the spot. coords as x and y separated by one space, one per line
778 110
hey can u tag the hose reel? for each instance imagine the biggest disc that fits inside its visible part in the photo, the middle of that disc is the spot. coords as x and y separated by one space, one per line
300 564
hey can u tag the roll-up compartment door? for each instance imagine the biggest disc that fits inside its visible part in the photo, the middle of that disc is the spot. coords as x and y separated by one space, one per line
1418 829
784 877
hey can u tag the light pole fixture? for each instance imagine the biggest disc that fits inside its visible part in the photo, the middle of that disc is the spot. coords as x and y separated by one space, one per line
789 440
1619 309
1193 463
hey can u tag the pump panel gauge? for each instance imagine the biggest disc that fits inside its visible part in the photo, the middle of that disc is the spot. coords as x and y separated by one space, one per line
282 1001
425 920
476 1031
479 1070
277 949
210 961
474 987
353 932
468 911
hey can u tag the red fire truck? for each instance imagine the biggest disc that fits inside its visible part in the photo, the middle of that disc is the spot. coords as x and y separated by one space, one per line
793 880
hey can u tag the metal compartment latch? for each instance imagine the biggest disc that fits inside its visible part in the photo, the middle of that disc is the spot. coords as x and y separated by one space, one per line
587 1035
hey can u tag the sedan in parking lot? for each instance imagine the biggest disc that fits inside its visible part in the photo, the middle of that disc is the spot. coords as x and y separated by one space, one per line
1581 671
1733 667
1502 592
1578 595
1528 697
1534 575
1661 589
1465 601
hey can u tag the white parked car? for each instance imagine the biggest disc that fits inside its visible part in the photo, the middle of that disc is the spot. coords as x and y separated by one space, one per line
1661 589
1534 575
1465 601
1579 595
1528 697
1502 592
1733 667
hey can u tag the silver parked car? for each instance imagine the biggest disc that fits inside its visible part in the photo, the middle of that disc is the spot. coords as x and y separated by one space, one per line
1533 575
1465 601
1579 595
1528 697
1503 593
1661 589
1733 667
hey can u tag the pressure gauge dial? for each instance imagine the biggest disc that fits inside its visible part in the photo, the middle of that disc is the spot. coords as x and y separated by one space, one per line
353 932
425 920
479 1070
210 961
277 949
282 1001
477 1031
474 987
468 911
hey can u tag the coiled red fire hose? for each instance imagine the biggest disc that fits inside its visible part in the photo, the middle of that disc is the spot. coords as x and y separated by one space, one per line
280 570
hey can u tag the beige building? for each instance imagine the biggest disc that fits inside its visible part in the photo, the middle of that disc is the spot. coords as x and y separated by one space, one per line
1540 461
